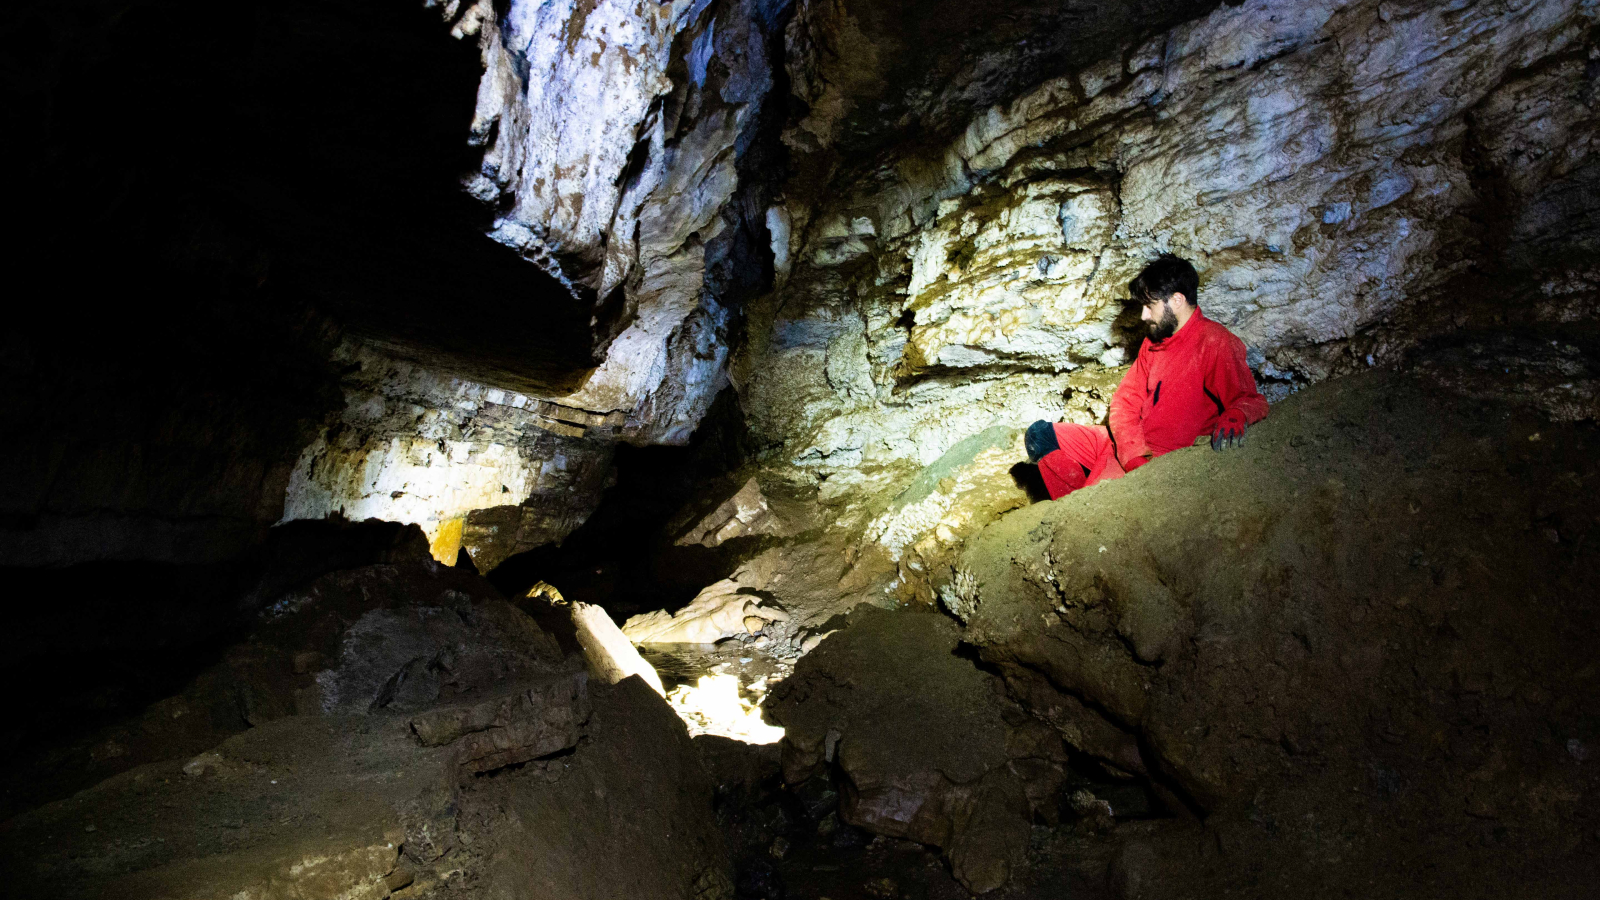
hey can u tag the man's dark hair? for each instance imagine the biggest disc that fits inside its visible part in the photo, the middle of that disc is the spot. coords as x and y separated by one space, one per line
1166 276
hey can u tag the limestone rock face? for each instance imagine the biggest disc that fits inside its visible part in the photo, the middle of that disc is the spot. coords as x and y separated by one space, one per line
1328 166
610 133
720 611
613 138
745 514
489 470
1343 174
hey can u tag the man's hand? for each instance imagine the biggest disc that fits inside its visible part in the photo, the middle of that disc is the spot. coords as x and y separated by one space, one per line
1230 432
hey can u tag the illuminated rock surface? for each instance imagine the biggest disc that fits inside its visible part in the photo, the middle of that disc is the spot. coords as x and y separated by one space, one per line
609 653
720 611
1350 179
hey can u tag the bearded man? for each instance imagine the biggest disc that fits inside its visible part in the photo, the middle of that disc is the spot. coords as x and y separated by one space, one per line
1190 379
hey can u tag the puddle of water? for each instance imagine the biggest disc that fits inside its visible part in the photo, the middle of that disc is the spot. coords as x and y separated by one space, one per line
718 688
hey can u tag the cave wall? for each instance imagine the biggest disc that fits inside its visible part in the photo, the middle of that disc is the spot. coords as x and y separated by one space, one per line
484 468
620 153
329 329
697 193
1351 179
613 134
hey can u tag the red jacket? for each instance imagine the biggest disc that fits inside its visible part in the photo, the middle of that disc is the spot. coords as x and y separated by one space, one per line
1181 389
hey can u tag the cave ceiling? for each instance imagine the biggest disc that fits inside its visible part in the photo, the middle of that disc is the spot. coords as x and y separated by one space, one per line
901 73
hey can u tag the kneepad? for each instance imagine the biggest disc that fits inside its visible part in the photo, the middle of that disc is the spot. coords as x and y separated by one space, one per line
1040 440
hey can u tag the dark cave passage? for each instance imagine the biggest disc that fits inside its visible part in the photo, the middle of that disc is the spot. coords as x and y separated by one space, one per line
312 158
624 558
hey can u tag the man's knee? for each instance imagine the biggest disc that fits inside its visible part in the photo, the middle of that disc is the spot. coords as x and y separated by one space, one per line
1040 440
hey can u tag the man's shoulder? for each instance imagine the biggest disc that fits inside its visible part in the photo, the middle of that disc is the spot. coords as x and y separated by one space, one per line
1214 332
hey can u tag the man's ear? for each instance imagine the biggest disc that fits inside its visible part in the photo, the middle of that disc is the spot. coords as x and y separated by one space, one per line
1178 297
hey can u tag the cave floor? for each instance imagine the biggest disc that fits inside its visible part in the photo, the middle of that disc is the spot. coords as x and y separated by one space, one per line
1380 683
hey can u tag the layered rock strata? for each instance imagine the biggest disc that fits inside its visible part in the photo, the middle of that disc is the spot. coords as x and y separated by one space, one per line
1350 178
616 140
479 468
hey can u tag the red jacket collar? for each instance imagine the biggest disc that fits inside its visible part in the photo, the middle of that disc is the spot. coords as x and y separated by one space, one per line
1182 337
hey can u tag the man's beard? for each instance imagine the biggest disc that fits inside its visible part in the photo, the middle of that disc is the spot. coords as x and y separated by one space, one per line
1164 327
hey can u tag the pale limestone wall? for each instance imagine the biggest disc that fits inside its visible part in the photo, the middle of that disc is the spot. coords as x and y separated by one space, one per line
1336 170
419 447
616 179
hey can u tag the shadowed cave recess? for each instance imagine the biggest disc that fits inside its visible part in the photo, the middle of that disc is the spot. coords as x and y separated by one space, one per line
574 449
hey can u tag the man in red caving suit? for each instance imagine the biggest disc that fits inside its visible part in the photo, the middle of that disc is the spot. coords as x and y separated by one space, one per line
1190 379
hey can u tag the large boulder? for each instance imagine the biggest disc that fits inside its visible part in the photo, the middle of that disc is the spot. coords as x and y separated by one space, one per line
628 815
405 729
336 620
927 745
1369 626
301 807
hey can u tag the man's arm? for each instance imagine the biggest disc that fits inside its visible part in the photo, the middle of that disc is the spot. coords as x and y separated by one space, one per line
1127 426
1231 382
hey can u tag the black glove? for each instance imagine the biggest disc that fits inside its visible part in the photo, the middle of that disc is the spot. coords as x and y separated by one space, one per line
1230 432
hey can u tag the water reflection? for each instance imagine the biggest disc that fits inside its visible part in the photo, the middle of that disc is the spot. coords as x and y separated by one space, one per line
718 688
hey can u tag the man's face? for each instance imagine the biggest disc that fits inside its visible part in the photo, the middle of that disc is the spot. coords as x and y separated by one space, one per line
1159 320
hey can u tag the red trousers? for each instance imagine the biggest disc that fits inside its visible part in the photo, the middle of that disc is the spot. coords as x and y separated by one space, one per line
1086 456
